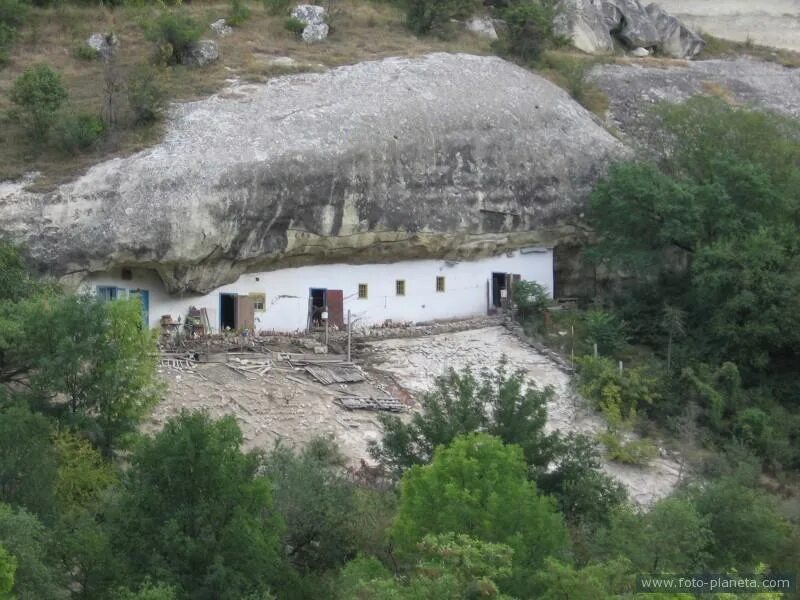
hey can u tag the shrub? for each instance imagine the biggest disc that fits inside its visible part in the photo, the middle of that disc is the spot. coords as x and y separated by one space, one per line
238 14
173 32
295 26
629 452
146 96
530 298
37 94
82 51
529 30
605 330
572 73
433 16
76 132
276 7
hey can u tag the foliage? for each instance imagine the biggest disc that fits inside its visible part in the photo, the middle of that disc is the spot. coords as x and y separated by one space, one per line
277 7
586 496
28 462
294 26
238 14
530 298
605 330
746 526
82 474
451 566
500 403
24 537
76 132
571 72
195 512
8 566
597 580
621 448
468 489
148 591
37 94
529 30
173 32
12 16
146 94
433 16
99 356
316 503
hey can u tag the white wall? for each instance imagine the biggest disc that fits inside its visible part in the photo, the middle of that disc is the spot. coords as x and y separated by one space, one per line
287 290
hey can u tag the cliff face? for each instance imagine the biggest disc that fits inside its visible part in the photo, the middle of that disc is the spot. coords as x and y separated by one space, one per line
441 156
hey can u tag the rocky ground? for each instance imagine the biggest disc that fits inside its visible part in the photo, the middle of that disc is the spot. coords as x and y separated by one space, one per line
288 405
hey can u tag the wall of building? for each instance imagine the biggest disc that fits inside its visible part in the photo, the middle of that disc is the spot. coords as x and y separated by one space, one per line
287 290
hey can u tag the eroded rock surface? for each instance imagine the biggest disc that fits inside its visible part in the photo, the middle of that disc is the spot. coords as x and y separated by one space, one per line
447 156
634 89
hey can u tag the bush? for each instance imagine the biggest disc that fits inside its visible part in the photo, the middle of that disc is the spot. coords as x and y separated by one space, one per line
295 26
433 16
146 96
81 51
173 32
13 13
629 452
529 30
37 94
530 298
238 14
76 132
276 7
605 330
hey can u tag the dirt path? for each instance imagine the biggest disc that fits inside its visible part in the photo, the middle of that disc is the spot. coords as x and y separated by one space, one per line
416 362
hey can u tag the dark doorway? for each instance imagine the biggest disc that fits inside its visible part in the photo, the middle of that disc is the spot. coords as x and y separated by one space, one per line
227 311
498 284
316 305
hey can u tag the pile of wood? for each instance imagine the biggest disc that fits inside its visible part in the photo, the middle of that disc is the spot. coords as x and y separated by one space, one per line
249 366
326 368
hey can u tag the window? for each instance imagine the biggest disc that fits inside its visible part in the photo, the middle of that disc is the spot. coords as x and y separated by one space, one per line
106 293
362 291
440 283
400 287
259 301
126 274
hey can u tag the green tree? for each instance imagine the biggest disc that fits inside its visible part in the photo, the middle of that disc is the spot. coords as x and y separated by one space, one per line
8 566
28 461
195 513
501 403
451 566
529 29
24 536
468 489
173 32
37 94
530 298
561 581
96 354
673 321
316 502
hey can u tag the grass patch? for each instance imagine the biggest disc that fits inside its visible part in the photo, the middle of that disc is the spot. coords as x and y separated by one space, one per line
360 30
570 71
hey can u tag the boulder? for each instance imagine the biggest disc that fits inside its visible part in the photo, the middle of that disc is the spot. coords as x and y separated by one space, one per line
677 40
200 53
583 22
634 27
448 156
482 27
313 17
592 26
103 43
221 28
315 32
640 52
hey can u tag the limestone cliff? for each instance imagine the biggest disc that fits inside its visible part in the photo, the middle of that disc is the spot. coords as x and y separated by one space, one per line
441 156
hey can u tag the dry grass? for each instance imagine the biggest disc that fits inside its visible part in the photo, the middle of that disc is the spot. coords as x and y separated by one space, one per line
360 30
712 88
570 70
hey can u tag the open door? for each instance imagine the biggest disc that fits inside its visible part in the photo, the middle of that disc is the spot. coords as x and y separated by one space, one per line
336 308
245 313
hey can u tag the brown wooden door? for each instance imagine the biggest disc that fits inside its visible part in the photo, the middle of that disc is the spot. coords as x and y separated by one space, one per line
335 300
245 313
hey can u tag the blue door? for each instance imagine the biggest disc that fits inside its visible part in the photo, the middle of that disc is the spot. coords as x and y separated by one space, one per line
144 298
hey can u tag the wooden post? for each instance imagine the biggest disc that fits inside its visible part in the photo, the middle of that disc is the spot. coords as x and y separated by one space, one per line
348 335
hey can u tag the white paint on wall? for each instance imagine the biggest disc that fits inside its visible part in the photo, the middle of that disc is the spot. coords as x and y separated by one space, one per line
287 290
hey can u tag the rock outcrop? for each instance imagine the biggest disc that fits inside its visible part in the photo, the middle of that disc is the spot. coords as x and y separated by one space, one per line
200 53
449 156
634 89
594 25
313 17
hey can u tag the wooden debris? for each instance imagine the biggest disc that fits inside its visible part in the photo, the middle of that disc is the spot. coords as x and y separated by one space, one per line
327 375
365 403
